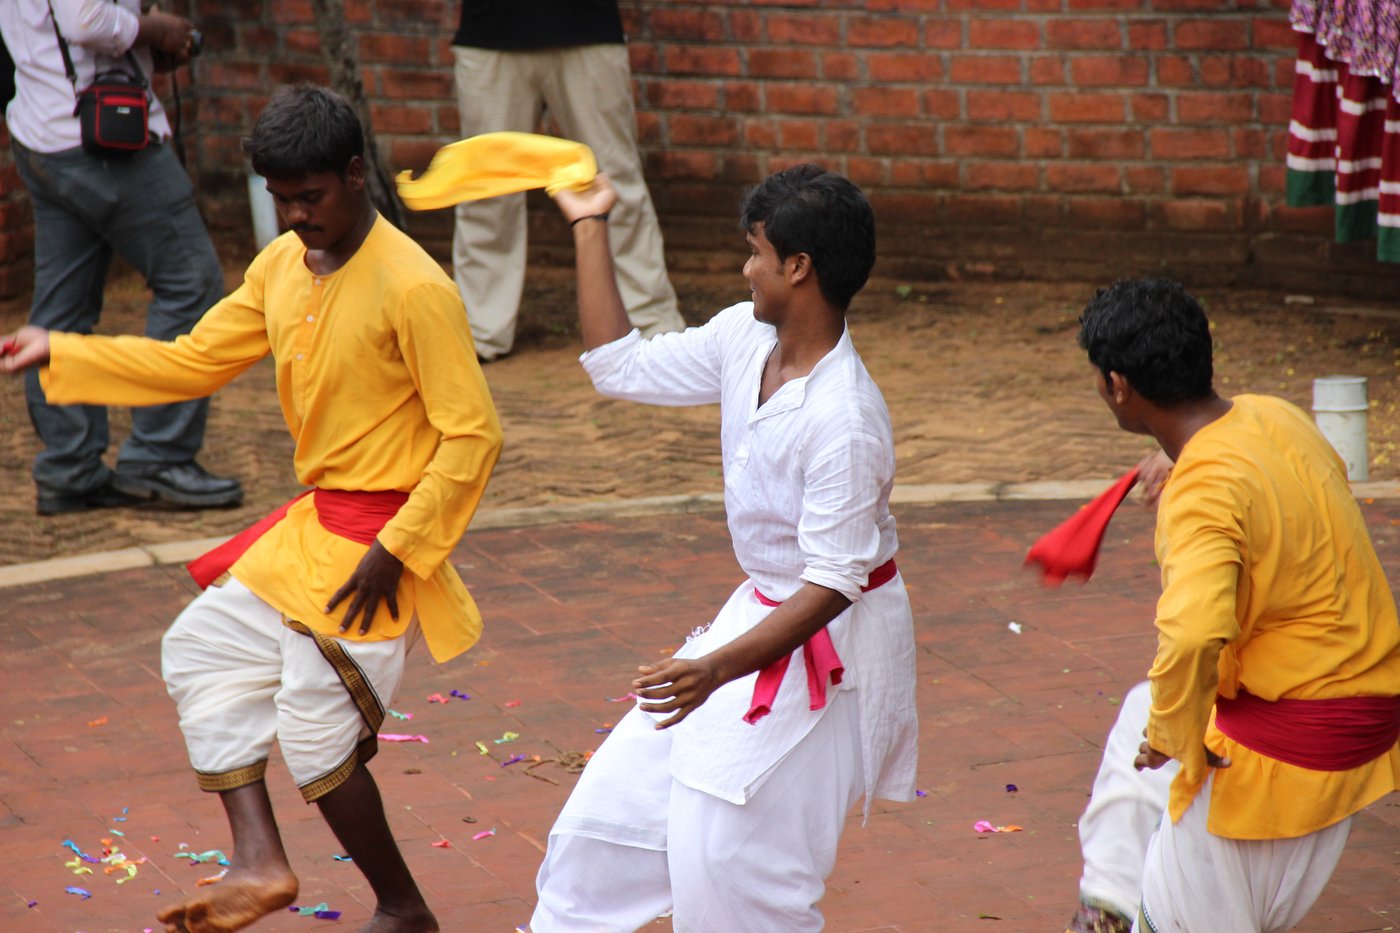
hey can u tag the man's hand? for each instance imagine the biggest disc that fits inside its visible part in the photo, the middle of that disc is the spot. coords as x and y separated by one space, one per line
1149 757
26 347
165 33
1153 473
678 685
376 579
598 198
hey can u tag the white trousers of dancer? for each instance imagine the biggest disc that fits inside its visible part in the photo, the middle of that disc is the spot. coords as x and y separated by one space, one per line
1197 882
241 679
632 843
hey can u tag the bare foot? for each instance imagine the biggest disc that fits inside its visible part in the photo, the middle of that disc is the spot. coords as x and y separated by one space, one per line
418 921
241 898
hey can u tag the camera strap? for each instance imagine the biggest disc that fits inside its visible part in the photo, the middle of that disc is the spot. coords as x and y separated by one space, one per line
139 77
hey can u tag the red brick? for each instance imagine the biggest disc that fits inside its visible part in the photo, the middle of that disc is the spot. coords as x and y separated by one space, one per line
1149 108
293 11
674 163
1102 34
866 171
1210 179
1275 108
1108 71
1043 142
1213 35
295 73
643 58
985 209
1086 108
411 153
233 75
782 63
1273 179
1186 6
881 32
392 48
840 66
804 28
984 69
1083 6
885 101
648 127
403 84
296 41
1002 34
966 6
743 96
683 95
1145 179
1273 33
843 135
1082 176
1047 69
701 25
1234 71
900 67
924 173
902 6
1091 213
1003 106
902 138
1105 144
746 26
1044 210
943 33
799 134
761 133
692 130
1003 176
1180 144
926 206
402 119
981 140
942 104
1175 71
702 60
1214 107
1199 214
800 98
1146 36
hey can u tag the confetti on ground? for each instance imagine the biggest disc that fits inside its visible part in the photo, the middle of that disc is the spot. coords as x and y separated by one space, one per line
512 760
436 698
459 695
443 844
99 721
212 855
401 737
212 879
69 843
397 715
622 699
484 834
508 737
510 704
84 893
1014 626
122 818
342 858
604 730
921 793
983 826
484 749
321 911
1012 788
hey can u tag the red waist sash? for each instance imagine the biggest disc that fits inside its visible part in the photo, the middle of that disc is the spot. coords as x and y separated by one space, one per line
357 516
1322 735
820 654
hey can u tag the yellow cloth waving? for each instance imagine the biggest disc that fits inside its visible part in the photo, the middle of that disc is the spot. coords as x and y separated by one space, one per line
498 163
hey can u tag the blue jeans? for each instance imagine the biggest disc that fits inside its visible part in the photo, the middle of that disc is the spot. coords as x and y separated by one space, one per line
86 209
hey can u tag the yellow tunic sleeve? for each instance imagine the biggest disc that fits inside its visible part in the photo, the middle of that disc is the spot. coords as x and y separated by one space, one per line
434 340
1200 549
89 369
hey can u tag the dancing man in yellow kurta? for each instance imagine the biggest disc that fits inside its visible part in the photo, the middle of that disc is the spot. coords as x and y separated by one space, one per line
303 640
1275 692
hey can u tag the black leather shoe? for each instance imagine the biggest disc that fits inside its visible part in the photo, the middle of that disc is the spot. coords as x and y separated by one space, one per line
61 502
182 484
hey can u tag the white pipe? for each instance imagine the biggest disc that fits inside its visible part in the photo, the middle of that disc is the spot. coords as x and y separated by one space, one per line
265 228
1340 407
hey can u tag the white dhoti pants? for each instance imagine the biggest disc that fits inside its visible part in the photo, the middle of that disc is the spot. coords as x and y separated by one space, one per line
1179 876
1196 882
632 843
242 677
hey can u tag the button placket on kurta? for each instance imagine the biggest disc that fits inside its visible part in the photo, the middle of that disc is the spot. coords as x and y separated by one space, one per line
302 371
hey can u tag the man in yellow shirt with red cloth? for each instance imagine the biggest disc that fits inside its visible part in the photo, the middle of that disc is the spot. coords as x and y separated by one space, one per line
1275 692
303 640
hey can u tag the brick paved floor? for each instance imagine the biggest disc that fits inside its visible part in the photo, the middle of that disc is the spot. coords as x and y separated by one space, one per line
89 735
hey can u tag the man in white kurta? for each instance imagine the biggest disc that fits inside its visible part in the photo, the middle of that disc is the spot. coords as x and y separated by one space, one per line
732 825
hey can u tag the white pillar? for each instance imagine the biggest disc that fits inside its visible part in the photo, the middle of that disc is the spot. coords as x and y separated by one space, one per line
265 228
1340 407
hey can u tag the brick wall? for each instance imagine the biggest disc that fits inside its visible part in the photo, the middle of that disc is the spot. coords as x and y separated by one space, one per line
995 137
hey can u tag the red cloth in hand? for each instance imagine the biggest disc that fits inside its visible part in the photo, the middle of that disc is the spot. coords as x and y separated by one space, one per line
1072 548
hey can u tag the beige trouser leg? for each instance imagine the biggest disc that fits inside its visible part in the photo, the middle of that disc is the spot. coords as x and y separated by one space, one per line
588 90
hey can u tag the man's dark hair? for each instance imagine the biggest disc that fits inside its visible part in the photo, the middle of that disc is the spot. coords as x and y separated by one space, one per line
304 130
1154 333
807 209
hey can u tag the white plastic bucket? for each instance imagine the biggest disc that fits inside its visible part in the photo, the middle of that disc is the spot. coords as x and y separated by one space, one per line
265 228
1340 407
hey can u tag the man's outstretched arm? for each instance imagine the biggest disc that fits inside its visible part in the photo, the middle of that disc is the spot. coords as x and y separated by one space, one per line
601 314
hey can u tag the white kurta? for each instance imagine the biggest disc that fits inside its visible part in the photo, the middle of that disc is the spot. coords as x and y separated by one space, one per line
807 480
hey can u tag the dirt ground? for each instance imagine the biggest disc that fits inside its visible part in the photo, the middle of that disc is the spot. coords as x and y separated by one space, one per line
983 380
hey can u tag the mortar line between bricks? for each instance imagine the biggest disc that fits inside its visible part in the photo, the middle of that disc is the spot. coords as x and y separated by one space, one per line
179 552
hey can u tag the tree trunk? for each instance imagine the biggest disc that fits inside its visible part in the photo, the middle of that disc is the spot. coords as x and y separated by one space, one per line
339 50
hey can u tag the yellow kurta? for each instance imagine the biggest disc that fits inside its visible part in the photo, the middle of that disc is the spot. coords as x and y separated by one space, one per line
380 386
1269 585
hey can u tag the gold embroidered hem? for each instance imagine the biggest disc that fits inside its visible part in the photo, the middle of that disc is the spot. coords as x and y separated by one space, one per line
231 780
